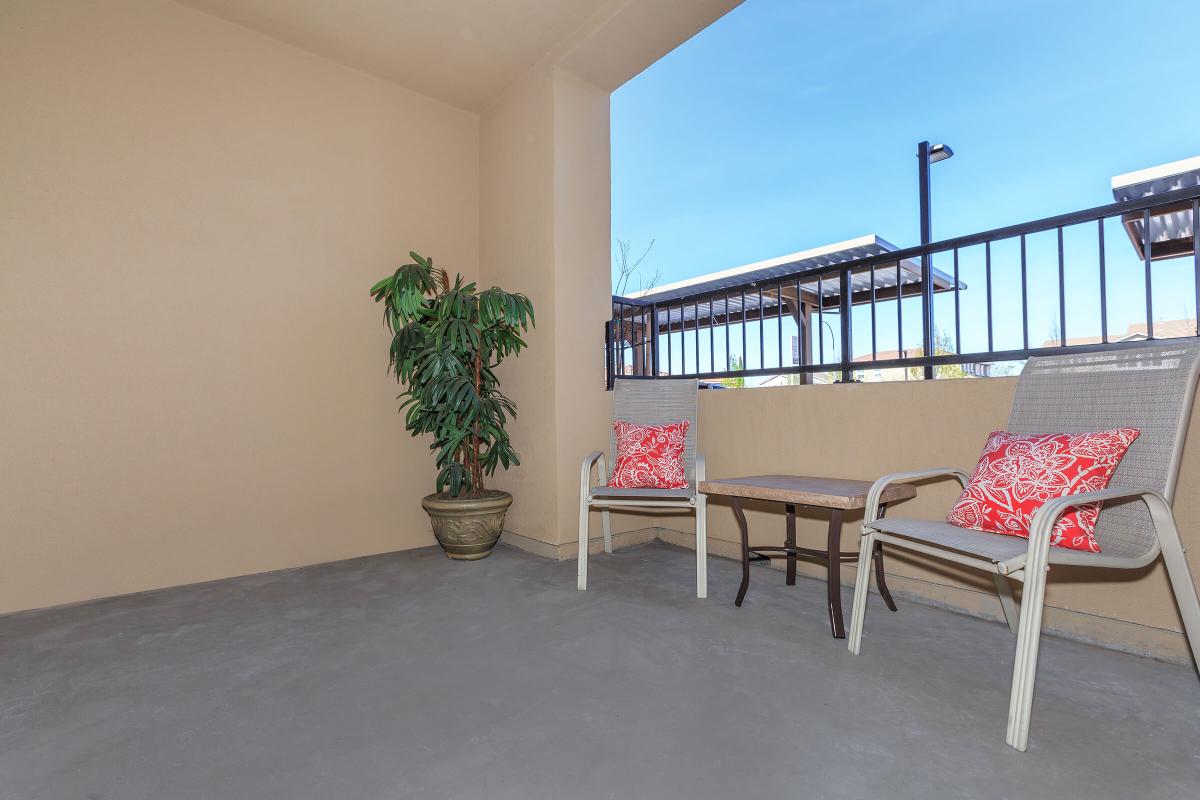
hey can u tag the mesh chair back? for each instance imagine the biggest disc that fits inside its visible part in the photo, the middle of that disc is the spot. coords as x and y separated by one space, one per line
657 402
1149 388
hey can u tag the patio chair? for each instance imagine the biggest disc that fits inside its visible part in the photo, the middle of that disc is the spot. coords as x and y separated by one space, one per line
1147 387
648 402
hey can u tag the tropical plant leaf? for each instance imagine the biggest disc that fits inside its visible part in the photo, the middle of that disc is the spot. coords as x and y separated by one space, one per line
447 338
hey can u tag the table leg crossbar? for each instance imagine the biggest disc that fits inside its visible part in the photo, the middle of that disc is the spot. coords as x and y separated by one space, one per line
832 557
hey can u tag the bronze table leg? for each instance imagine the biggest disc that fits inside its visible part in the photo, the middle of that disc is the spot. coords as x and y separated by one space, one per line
790 542
833 560
741 521
834 574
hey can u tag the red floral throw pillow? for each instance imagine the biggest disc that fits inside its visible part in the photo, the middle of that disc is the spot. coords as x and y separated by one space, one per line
649 456
1017 474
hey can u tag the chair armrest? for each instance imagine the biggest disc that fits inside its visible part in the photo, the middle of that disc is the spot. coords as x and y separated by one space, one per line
871 512
1042 524
585 471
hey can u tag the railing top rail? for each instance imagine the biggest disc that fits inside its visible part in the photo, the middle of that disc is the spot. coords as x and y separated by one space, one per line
631 301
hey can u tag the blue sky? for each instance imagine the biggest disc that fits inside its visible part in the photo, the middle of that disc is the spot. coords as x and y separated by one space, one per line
788 125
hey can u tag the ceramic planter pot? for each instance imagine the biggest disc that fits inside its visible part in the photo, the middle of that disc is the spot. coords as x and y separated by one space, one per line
467 528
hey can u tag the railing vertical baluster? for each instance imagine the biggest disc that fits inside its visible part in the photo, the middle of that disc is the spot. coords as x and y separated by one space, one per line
628 338
608 355
821 317
645 341
634 312
1196 261
847 329
762 340
712 336
1147 247
899 309
616 337
696 322
801 328
779 320
1024 296
637 328
929 346
987 268
1103 285
874 338
683 340
670 355
728 360
957 312
654 342
745 360
640 348
1062 294
621 334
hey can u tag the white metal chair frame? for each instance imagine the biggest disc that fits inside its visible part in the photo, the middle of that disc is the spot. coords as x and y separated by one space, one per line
1033 565
647 407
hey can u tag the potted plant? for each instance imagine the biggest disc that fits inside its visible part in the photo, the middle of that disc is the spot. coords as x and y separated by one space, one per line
447 340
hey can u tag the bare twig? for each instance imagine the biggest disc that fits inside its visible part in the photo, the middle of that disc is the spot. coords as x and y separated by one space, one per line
626 267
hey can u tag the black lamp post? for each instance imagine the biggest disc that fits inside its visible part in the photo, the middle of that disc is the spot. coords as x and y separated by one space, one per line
926 155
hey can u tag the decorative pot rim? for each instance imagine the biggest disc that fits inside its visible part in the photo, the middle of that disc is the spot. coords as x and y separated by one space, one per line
492 500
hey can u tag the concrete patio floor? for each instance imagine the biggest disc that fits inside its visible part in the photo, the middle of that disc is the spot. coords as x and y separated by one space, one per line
411 676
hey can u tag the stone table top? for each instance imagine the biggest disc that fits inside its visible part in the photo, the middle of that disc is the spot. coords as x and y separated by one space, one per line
805 490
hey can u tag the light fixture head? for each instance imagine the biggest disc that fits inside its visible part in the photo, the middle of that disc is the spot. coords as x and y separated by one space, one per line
939 152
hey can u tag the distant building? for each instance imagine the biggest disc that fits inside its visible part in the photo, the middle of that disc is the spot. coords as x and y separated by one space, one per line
1136 332
869 374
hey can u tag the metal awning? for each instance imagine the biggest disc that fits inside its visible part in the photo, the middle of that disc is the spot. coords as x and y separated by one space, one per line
1171 227
755 289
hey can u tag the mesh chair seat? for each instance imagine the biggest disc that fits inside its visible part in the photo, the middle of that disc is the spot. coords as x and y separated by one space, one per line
613 493
991 546
998 548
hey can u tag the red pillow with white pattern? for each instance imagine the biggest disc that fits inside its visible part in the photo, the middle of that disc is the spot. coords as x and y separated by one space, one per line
649 456
1017 474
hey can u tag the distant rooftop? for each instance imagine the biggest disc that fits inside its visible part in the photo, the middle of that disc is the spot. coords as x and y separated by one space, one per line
1171 228
1157 180
827 255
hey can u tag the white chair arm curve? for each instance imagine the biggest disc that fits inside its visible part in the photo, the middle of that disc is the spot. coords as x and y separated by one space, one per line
872 510
585 471
1045 518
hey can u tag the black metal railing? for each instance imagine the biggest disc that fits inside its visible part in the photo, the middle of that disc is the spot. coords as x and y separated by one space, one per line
721 332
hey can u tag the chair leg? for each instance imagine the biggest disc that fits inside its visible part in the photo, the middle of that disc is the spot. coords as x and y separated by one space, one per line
1008 603
701 547
862 584
607 530
1020 702
581 584
1182 584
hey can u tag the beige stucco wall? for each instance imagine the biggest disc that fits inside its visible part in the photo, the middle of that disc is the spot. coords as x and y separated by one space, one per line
516 172
544 230
866 430
194 374
192 213
544 168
